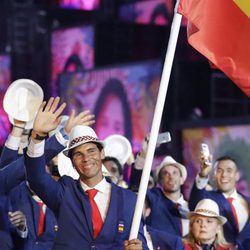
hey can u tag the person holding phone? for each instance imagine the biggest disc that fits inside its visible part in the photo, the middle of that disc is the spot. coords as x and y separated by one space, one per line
233 204
168 207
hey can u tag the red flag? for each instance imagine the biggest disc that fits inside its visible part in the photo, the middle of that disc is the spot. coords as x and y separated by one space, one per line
220 30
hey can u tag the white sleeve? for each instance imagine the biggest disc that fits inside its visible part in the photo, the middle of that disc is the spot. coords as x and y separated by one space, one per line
13 142
201 182
36 149
22 234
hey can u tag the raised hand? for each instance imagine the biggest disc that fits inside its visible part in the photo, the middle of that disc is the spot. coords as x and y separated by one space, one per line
48 116
18 220
206 165
83 118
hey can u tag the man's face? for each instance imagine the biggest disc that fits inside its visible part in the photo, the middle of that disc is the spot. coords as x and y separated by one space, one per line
226 176
171 179
87 159
112 168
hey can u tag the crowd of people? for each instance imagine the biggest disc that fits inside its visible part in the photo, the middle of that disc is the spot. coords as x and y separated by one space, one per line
39 209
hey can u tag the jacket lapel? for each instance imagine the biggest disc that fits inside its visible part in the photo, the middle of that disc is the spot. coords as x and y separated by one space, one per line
225 209
172 213
82 196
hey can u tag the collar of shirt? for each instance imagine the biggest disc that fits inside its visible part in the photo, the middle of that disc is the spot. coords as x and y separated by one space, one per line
36 198
180 201
102 186
234 195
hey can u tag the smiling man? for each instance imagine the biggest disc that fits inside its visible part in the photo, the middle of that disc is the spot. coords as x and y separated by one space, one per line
92 213
168 206
233 205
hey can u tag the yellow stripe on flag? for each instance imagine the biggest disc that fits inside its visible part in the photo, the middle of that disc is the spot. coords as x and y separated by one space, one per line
244 5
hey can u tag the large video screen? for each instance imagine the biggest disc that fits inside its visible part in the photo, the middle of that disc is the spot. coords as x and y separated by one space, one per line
122 98
233 140
158 12
4 84
87 5
72 50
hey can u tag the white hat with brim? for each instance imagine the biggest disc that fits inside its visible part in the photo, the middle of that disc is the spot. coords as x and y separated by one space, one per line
170 161
23 99
79 135
208 208
119 147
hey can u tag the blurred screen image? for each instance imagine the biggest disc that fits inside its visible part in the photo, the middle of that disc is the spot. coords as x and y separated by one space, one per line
87 5
157 12
72 50
122 98
4 84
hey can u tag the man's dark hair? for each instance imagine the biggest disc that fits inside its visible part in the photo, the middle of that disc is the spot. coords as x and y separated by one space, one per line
99 146
225 158
115 160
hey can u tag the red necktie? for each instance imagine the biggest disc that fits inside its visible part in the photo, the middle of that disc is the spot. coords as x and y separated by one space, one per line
177 205
41 219
230 200
96 216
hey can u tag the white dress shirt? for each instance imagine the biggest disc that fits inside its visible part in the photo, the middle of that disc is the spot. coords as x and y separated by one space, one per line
240 206
102 197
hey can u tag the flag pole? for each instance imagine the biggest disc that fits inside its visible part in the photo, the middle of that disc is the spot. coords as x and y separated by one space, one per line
175 27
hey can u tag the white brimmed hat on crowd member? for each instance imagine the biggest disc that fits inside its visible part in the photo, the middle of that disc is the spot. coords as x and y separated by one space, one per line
170 161
208 208
79 135
22 101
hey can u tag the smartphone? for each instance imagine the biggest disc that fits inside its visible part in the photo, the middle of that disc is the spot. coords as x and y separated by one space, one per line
205 150
163 138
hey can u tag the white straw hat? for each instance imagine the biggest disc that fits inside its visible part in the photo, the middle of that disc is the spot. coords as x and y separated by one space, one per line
23 99
208 208
119 147
79 135
167 161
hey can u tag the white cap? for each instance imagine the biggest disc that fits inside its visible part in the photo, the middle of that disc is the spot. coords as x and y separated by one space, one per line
119 147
